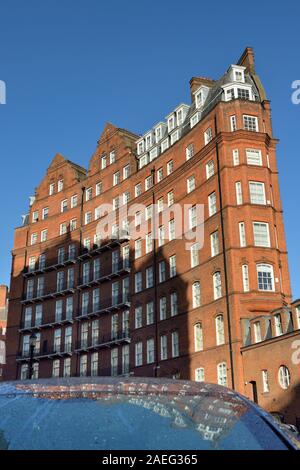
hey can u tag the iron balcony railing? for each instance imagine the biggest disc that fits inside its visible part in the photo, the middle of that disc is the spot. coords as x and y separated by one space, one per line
46 352
105 341
98 277
121 236
57 290
48 321
62 262
118 302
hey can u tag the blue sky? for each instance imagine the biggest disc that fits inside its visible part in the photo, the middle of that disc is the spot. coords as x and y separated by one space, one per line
70 66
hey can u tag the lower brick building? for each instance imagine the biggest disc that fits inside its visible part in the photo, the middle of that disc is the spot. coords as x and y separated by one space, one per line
3 325
158 258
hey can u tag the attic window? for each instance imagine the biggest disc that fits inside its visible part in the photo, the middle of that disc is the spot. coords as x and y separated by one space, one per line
51 189
239 76
112 157
103 162
179 117
140 147
158 134
60 185
199 99
171 123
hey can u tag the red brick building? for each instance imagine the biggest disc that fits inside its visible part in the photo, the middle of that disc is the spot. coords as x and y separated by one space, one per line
3 325
130 303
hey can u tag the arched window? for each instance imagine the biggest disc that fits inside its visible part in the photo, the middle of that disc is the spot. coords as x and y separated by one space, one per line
284 377
265 277
217 285
220 335
196 294
222 374
198 337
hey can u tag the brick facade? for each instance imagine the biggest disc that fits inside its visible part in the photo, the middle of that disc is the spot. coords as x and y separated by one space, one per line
218 161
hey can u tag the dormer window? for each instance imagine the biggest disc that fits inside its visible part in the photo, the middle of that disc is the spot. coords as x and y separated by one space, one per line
158 134
171 123
194 120
179 117
140 147
239 76
165 144
174 137
199 99
237 73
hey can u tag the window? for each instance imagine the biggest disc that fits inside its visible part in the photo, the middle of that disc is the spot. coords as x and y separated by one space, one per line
217 283
174 304
171 123
148 212
210 170
158 134
257 332
96 299
88 217
191 184
140 147
35 216
86 272
208 136
126 172
56 368
239 193
98 188
114 326
38 315
148 182
242 233
198 337
115 293
29 289
116 178
67 367
31 265
44 235
60 255
72 252
194 120
233 123
250 123
103 162
88 194
138 282
245 275
57 340
63 228
84 303
160 204
278 325
192 217
189 151
214 243
150 351
138 219
148 243
165 144
161 235
265 277
220 333
28 317
162 271
70 279
160 174
34 238
284 377
42 261
125 359
138 248
126 197
235 157
261 234
138 317
58 310
298 316
199 374
51 189
222 374
170 198
149 277
60 185
150 313
163 308
253 157
170 167
163 347
171 229
45 213
257 192
73 224
194 255
74 201
175 344
116 203
138 189
69 308
265 381
172 261
138 354
212 204
40 286
83 365
196 294
112 157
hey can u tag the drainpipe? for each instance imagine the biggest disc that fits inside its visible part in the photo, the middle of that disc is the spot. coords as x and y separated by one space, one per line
81 250
154 231
224 260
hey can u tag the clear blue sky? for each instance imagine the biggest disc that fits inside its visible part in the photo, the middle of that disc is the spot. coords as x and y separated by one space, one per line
70 66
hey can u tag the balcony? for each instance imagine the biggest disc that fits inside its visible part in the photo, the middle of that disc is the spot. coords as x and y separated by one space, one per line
46 353
51 292
109 341
109 305
29 327
47 268
121 237
119 269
